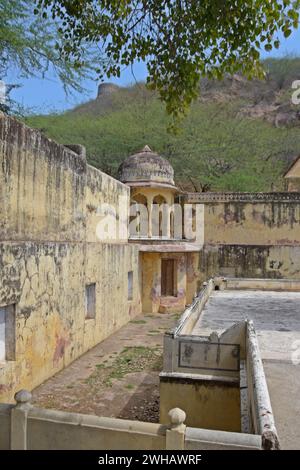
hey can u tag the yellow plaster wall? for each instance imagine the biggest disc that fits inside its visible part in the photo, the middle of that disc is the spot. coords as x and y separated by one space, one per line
251 239
42 186
269 223
49 252
192 276
274 262
103 189
151 281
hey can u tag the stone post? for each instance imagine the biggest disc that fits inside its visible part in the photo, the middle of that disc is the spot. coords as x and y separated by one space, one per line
18 423
175 436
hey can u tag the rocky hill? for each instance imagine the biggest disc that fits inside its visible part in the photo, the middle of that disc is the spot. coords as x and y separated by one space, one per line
240 135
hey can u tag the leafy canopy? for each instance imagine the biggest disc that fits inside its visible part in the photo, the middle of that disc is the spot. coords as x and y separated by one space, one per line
178 39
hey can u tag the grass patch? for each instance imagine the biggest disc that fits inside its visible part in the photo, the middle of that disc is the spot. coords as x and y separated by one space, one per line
129 386
138 322
131 359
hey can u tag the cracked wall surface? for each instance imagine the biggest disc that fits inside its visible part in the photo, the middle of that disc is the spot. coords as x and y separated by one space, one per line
262 223
49 251
259 239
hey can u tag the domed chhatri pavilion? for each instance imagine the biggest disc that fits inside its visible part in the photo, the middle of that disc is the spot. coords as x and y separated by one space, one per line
168 261
151 179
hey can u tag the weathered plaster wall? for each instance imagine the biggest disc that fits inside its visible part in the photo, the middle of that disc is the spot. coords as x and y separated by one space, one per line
250 235
151 281
252 223
250 261
44 429
192 276
151 193
49 252
186 281
208 404
103 190
294 170
42 187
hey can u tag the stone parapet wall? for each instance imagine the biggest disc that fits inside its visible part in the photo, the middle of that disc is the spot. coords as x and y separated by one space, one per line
25 427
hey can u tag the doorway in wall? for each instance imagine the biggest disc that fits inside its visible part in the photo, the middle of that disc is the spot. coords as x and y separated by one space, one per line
168 278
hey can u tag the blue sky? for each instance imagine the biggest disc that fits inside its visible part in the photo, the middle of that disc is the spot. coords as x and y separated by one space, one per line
47 95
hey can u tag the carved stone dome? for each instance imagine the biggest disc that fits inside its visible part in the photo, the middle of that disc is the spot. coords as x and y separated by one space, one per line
146 168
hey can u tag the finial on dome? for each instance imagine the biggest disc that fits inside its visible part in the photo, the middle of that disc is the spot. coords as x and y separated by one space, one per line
146 149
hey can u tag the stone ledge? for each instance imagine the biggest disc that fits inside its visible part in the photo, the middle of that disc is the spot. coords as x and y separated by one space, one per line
242 197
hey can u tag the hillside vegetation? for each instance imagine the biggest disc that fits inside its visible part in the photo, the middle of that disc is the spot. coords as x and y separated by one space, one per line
239 135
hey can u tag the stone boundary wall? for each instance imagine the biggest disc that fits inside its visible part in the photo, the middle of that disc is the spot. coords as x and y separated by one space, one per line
249 234
25 427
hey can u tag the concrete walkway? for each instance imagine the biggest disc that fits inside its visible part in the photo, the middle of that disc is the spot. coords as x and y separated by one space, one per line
117 378
276 317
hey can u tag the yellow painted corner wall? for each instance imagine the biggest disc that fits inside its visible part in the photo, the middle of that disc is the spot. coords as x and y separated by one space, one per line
49 253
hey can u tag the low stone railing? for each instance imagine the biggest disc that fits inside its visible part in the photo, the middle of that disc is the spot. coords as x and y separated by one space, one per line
25 427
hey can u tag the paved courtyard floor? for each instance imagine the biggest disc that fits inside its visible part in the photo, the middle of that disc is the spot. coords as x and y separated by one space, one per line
117 378
276 317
